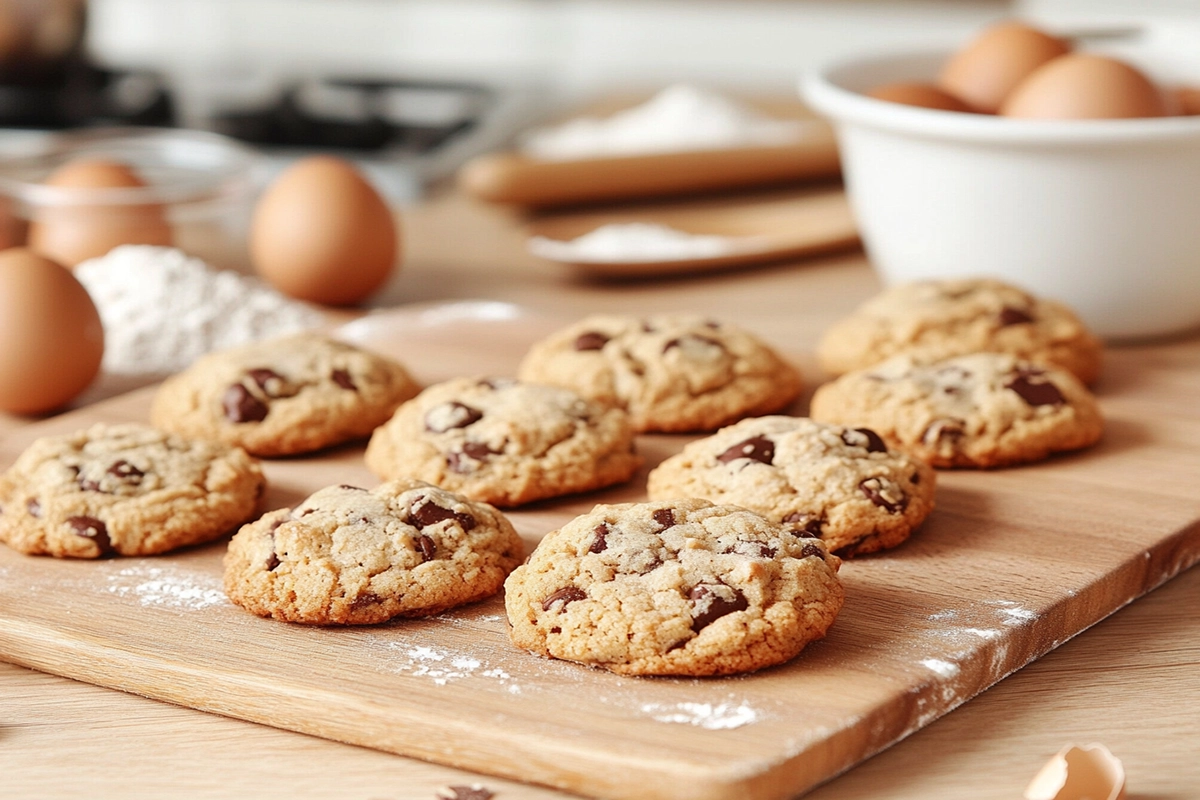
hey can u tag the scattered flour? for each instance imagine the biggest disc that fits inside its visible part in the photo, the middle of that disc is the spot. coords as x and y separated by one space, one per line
679 118
162 309
722 716
945 669
166 587
636 242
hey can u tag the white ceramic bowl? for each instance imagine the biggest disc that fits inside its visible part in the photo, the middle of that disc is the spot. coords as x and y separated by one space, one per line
1103 215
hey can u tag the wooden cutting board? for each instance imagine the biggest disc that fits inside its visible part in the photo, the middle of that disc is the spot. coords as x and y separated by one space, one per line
1011 564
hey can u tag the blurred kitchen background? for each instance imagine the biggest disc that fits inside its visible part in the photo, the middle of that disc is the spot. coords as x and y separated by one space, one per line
413 88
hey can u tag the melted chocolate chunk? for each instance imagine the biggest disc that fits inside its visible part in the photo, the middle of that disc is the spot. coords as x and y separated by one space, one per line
427 547
1013 316
449 416
877 492
365 600
567 594
1042 393
866 438
463 461
125 471
812 550
804 526
241 406
33 507
94 529
270 381
342 378
87 484
710 603
592 340
272 561
664 517
600 543
430 513
756 448
947 431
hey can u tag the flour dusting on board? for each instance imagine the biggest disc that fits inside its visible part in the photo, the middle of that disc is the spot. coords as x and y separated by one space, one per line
713 717
166 587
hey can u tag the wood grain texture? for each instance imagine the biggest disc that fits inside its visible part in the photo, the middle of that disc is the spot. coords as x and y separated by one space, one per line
1012 564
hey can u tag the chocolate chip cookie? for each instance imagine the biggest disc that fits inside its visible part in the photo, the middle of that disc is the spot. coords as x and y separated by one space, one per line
283 396
935 319
841 484
351 556
672 373
124 489
980 410
505 442
679 587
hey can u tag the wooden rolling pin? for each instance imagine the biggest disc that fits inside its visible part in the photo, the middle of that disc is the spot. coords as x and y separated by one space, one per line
515 179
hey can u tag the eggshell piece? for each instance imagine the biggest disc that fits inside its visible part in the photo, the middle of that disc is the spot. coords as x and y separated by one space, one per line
322 233
51 336
76 231
1085 86
1079 773
989 67
922 95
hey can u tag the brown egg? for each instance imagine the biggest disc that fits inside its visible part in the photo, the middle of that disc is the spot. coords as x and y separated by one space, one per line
1085 86
72 232
1187 100
924 95
322 233
983 73
51 337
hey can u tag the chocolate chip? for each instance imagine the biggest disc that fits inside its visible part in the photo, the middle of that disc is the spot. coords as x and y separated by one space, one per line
804 526
948 431
425 512
270 381
342 378
465 460
756 448
365 600
241 406
568 594
87 484
272 562
711 602
448 416
664 517
849 549
600 543
94 529
915 479
1013 316
883 493
125 471
592 340
865 438
33 507
1042 393
812 550
427 547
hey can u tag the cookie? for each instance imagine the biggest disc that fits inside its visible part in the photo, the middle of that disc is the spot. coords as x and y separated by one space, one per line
283 396
935 319
979 410
680 587
842 484
351 556
505 442
672 373
124 489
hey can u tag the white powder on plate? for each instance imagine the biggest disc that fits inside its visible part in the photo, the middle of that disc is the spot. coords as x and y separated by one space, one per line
637 242
679 118
163 309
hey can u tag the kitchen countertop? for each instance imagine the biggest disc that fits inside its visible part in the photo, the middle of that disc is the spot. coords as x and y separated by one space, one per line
1131 682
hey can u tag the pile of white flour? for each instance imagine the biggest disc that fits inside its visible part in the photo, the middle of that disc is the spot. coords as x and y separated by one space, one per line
680 117
163 309
636 242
